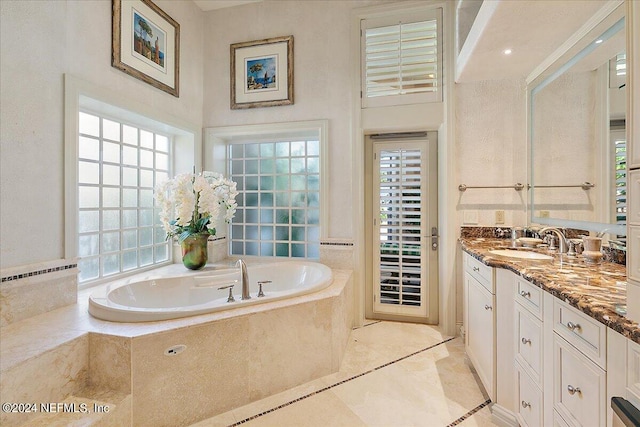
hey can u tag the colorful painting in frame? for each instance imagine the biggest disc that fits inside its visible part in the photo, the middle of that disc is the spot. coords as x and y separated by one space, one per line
146 44
262 73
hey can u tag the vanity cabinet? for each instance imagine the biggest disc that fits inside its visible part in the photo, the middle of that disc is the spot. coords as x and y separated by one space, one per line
633 159
479 321
529 340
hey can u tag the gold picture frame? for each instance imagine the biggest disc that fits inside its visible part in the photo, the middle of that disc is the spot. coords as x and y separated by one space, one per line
146 44
262 73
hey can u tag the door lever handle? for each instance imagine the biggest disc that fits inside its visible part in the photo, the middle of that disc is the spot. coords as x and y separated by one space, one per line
434 238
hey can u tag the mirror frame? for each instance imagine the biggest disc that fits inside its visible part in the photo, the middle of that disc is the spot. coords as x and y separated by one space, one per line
607 21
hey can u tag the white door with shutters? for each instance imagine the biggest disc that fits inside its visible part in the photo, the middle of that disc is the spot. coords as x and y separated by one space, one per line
404 229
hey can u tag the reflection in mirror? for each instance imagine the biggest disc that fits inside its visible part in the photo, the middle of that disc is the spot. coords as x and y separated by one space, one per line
578 147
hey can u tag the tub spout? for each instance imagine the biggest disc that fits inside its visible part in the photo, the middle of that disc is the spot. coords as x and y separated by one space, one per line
244 278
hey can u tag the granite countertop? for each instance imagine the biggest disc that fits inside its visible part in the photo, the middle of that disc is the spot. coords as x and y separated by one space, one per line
598 290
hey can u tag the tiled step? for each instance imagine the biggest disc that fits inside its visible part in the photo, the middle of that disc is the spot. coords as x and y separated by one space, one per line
76 411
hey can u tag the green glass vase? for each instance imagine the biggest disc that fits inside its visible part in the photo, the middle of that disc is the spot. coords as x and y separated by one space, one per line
194 251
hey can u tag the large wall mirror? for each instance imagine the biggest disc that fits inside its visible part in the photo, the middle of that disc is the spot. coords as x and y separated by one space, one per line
577 133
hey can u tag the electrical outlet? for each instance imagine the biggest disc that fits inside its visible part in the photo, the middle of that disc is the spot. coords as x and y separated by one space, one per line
499 217
544 214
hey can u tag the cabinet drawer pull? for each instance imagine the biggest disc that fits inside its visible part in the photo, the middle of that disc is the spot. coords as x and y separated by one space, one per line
573 390
526 341
488 307
476 268
573 326
525 294
526 404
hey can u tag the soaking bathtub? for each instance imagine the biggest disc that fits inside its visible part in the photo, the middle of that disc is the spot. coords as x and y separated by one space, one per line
163 294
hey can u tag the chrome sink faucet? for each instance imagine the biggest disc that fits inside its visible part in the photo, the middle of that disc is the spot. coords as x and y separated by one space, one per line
561 238
244 278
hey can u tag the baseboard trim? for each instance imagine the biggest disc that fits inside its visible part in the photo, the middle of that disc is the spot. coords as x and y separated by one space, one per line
503 417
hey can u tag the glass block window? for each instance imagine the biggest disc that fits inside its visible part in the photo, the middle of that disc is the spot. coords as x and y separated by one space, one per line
279 198
118 225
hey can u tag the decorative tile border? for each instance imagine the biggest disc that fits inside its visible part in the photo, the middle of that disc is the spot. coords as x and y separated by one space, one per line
38 272
470 413
329 243
268 411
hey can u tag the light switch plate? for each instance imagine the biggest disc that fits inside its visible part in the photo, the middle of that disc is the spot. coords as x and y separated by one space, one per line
499 217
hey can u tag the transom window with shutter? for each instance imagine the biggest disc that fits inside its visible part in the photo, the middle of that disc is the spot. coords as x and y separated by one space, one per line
401 59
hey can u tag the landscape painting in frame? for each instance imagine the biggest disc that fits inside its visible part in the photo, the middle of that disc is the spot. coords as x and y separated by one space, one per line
146 44
149 41
262 73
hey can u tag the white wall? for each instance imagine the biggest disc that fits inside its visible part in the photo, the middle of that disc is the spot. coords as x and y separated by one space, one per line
322 80
491 138
40 41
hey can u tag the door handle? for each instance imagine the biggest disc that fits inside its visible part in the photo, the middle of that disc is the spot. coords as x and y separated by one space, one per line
434 238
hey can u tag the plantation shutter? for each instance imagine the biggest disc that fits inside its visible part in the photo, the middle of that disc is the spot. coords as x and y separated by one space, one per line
400 228
401 60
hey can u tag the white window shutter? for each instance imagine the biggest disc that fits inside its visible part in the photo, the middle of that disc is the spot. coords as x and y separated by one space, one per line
401 60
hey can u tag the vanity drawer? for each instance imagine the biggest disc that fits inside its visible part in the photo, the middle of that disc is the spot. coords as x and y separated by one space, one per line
633 247
482 273
529 344
530 296
586 334
633 195
529 401
579 391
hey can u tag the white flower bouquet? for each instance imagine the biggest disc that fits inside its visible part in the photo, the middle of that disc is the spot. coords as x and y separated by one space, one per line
193 204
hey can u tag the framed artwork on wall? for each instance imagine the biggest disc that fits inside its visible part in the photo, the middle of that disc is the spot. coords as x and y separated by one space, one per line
146 44
262 73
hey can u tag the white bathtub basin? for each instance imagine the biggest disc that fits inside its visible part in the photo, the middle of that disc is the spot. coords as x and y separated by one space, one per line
150 297
523 255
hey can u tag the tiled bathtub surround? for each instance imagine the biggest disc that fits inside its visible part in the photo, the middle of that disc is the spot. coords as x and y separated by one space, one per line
29 290
598 290
337 253
231 358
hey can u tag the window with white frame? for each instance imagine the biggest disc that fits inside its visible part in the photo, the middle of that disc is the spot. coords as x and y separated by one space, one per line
401 58
279 184
119 164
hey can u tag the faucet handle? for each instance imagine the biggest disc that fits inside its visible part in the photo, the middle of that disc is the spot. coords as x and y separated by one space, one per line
230 287
260 293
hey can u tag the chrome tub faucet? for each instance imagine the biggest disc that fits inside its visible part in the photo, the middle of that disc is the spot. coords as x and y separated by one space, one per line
244 279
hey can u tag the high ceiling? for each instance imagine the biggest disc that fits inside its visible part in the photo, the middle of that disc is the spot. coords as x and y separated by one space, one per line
530 28
207 5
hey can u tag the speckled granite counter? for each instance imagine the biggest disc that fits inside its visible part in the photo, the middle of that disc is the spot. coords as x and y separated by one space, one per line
598 290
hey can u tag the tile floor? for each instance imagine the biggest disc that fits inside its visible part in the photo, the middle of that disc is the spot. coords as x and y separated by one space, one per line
392 375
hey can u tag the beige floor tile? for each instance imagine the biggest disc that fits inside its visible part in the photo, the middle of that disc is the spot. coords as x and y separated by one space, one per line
321 410
432 388
482 418
222 420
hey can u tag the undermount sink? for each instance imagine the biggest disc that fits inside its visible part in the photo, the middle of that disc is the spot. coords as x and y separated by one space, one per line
524 255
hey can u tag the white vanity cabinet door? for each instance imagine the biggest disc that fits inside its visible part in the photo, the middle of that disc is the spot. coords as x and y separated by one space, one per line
579 393
480 333
529 343
633 372
529 401
633 192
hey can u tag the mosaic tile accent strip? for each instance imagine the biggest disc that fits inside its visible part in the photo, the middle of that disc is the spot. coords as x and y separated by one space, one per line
37 273
470 413
325 243
268 411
